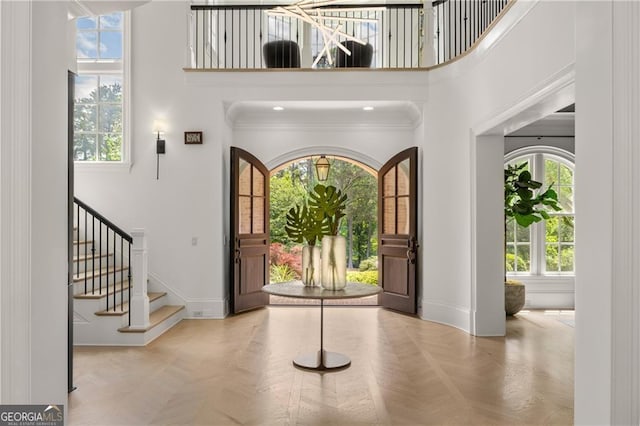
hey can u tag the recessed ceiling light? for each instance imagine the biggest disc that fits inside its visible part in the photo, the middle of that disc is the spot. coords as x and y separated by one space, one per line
278 108
368 108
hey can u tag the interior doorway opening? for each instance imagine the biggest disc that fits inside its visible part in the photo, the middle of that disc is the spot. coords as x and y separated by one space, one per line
290 185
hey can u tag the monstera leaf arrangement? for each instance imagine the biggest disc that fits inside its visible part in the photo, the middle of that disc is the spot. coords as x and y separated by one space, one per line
328 203
321 217
304 226
312 222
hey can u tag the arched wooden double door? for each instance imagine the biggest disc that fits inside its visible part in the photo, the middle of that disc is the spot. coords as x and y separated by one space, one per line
397 231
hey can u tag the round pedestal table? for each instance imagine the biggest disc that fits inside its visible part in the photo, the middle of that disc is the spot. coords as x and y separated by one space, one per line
321 359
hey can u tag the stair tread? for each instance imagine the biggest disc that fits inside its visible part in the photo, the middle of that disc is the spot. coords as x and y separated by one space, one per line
82 241
123 308
88 256
97 273
106 291
156 317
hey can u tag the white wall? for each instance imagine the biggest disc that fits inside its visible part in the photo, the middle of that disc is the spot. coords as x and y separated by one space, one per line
34 206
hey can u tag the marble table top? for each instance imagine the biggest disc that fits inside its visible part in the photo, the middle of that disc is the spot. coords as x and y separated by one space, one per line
298 290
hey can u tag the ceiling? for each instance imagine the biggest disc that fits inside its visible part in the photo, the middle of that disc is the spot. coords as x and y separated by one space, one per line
560 123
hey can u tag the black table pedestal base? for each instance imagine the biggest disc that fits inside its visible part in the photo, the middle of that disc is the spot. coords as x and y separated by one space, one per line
315 361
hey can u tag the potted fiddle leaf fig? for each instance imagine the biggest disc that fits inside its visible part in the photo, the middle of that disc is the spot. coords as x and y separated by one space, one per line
526 202
328 204
303 225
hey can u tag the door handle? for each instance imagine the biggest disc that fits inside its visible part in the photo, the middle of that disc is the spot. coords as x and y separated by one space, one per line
411 251
411 256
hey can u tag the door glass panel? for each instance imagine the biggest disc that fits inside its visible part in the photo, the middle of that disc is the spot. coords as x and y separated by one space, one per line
258 182
403 177
403 215
244 184
389 216
389 183
258 215
244 214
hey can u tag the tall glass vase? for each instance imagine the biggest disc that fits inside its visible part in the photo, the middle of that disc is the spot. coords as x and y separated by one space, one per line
334 262
311 266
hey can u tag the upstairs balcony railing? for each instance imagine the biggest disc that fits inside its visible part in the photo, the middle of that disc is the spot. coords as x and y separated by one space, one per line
398 36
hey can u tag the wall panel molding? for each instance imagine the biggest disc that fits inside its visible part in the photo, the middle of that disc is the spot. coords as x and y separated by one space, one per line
626 210
15 202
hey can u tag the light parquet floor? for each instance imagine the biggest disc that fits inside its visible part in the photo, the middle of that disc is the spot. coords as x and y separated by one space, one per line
404 371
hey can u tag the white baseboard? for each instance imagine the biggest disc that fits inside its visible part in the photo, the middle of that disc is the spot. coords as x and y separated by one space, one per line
195 308
489 324
207 309
446 314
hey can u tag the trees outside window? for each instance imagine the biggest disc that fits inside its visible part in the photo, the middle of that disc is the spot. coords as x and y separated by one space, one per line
545 248
290 186
99 119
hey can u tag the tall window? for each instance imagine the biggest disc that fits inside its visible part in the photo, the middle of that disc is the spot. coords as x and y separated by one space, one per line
545 248
99 119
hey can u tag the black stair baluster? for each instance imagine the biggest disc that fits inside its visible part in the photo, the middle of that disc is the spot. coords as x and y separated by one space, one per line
115 272
78 242
106 273
129 281
122 273
85 250
100 254
93 254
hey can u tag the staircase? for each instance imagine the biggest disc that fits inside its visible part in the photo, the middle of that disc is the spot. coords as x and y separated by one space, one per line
106 279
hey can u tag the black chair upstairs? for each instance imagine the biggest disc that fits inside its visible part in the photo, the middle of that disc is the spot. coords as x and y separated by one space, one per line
281 54
361 55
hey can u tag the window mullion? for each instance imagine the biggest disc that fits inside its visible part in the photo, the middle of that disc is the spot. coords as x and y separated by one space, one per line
538 237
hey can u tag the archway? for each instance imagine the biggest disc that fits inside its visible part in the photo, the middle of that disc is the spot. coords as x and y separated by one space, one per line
487 199
291 183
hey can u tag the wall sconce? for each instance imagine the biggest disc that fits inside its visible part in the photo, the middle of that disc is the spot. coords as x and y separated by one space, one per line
322 168
159 127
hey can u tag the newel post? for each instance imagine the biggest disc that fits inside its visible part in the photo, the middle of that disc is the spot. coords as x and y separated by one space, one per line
139 303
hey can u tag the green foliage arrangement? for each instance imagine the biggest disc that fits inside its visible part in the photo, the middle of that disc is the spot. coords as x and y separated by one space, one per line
321 217
303 224
327 203
523 199
366 277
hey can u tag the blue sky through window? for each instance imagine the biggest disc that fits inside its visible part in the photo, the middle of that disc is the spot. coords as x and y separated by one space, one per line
99 38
